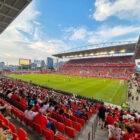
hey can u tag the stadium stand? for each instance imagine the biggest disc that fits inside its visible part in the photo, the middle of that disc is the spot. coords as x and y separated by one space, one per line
122 66
68 114
102 61
62 113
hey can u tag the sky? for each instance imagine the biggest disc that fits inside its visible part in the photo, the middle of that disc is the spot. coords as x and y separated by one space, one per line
47 27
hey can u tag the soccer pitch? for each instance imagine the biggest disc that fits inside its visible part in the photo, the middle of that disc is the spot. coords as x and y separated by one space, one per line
109 90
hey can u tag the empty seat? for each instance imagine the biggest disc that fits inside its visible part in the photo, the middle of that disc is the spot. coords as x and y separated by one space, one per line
59 137
81 121
6 122
30 123
12 128
73 118
67 115
48 134
21 134
68 122
84 118
54 115
70 132
1 116
60 118
77 126
37 128
15 137
60 127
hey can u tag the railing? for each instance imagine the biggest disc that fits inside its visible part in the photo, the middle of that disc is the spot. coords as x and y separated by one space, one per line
91 134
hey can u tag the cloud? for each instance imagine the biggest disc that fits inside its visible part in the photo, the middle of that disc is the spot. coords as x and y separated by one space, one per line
103 33
123 9
24 38
79 34
49 47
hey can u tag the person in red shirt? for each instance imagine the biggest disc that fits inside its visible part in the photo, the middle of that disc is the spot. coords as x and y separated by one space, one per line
136 126
36 107
109 119
14 97
41 120
22 101
129 135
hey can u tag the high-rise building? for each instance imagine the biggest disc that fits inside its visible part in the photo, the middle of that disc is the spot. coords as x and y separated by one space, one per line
2 64
42 63
49 63
38 63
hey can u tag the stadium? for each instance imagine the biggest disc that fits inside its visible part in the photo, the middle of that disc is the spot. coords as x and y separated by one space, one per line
93 93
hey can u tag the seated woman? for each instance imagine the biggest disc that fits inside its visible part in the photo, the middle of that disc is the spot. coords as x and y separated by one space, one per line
4 109
29 114
114 132
68 110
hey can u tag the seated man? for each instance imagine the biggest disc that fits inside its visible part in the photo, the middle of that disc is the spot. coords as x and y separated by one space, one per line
109 119
78 112
42 120
4 109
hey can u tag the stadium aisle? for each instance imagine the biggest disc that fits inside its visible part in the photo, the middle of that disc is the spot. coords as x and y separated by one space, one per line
99 135
135 104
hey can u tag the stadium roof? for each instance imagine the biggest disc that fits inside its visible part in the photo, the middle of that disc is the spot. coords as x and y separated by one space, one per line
137 50
122 49
9 10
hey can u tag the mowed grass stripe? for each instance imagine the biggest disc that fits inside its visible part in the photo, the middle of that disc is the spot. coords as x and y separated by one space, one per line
109 90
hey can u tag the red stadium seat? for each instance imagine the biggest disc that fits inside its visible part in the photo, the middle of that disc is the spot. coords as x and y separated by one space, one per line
60 127
1 116
59 137
70 132
30 123
73 118
48 134
136 138
5 122
54 115
77 126
67 115
84 118
38 128
68 122
12 128
81 121
21 134
60 118
110 138
15 137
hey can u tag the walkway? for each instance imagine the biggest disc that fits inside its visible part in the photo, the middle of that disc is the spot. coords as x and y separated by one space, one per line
135 104
100 134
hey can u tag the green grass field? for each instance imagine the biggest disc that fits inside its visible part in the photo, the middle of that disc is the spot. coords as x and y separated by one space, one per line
109 90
